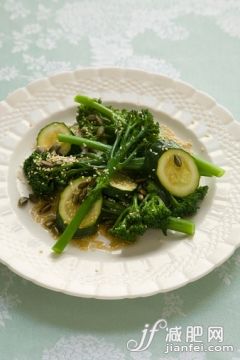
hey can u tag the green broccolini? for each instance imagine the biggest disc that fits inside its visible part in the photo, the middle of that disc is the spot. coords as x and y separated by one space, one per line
189 205
47 172
38 176
96 122
156 215
129 224
154 212
150 213
91 123
180 207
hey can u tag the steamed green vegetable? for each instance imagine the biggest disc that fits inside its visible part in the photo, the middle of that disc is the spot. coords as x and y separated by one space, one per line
189 205
122 173
48 172
149 213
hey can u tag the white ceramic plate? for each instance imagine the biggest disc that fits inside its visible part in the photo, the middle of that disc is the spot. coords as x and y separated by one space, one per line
156 263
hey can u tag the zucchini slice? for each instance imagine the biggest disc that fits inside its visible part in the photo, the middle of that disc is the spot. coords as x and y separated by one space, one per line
155 151
48 137
68 207
120 184
177 172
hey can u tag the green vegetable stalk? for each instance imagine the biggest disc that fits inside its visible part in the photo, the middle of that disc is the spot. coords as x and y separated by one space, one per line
181 225
77 140
89 102
206 168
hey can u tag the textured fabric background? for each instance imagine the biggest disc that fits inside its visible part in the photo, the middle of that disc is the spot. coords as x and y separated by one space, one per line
195 40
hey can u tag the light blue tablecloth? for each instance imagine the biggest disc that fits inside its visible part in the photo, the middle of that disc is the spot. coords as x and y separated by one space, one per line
195 40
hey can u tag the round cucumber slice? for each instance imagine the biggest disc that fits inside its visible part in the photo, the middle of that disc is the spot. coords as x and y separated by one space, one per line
48 137
177 172
67 208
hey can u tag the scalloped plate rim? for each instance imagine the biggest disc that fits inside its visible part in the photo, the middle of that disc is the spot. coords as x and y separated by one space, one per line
160 76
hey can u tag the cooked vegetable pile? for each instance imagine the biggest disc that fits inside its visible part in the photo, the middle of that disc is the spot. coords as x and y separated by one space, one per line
115 167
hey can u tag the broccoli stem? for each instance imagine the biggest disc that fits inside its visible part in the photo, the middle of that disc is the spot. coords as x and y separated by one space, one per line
85 100
72 139
135 164
70 230
206 168
181 225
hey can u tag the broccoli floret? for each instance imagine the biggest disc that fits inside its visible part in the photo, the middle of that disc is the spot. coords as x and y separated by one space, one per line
145 118
47 172
38 176
100 122
129 224
188 205
154 212
157 188
95 125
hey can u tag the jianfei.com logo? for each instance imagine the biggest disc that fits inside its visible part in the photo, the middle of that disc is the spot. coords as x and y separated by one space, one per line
179 339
